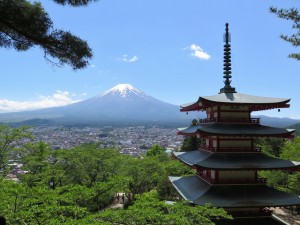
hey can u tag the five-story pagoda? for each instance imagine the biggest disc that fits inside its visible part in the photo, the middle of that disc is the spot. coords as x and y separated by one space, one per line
227 162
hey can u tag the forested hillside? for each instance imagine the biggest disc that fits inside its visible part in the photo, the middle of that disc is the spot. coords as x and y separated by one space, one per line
79 186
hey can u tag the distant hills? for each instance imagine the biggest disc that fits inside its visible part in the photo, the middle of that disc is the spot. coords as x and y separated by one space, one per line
277 122
121 105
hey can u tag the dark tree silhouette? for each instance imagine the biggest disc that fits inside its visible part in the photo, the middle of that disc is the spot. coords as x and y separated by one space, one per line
25 24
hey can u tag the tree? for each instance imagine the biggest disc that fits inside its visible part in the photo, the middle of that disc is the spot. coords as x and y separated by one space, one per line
284 180
293 15
155 150
190 143
9 138
25 24
148 209
271 146
22 205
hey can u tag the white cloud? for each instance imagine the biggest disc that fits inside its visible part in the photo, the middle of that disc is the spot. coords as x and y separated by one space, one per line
125 58
59 98
93 66
198 52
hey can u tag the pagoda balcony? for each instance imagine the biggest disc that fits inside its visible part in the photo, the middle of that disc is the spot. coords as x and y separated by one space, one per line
230 120
232 181
230 149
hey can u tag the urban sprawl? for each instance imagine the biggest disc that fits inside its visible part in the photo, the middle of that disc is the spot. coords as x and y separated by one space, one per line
128 140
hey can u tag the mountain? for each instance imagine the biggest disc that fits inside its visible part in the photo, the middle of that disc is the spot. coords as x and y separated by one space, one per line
120 105
123 104
276 121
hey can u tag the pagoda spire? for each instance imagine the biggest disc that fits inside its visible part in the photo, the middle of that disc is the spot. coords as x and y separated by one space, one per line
227 64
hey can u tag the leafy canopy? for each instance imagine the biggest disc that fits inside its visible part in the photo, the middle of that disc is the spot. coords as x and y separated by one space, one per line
148 209
79 185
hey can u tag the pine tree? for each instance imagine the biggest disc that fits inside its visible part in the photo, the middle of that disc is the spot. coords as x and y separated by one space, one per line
25 24
293 15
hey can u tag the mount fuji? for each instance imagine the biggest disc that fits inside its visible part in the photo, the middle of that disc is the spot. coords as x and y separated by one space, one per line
122 104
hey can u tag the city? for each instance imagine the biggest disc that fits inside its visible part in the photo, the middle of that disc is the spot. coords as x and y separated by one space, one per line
128 140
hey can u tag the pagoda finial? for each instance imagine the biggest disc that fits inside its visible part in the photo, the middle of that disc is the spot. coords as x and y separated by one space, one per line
227 64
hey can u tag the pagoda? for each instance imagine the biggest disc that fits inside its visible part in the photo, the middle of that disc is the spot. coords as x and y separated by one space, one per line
227 161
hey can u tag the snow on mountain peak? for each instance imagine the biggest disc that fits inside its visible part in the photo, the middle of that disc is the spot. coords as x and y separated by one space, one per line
123 90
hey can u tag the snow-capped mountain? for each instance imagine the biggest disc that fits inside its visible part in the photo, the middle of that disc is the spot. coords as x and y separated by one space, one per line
124 90
120 104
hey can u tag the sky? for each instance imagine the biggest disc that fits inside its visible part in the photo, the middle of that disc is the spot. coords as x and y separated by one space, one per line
170 49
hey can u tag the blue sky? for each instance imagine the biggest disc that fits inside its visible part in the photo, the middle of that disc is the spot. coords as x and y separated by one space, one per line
170 49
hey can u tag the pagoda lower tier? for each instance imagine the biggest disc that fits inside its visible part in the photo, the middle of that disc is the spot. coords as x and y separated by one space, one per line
198 191
235 161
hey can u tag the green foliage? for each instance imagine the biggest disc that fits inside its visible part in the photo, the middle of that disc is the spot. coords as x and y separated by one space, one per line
25 24
155 150
283 180
144 173
148 209
75 186
23 205
190 143
271 146
9 138
291 150
171 168
293 15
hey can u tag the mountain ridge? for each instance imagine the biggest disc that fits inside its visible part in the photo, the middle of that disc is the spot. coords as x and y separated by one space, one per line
121 104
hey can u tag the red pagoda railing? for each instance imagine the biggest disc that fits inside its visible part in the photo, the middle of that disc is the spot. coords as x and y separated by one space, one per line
230 119
233 181
231 149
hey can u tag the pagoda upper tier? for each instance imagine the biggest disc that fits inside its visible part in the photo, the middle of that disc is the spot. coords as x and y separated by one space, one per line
251 102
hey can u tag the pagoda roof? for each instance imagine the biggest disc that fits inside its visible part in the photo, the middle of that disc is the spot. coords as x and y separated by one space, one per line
232 161
256 103
198 191
239 129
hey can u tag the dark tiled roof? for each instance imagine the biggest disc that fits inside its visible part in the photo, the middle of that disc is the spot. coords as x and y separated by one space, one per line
238 98
235 129
234 160
243 98
199 192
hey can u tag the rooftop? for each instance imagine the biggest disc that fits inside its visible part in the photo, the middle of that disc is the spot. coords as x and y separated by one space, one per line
231 161
236 129
198 191
256 103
